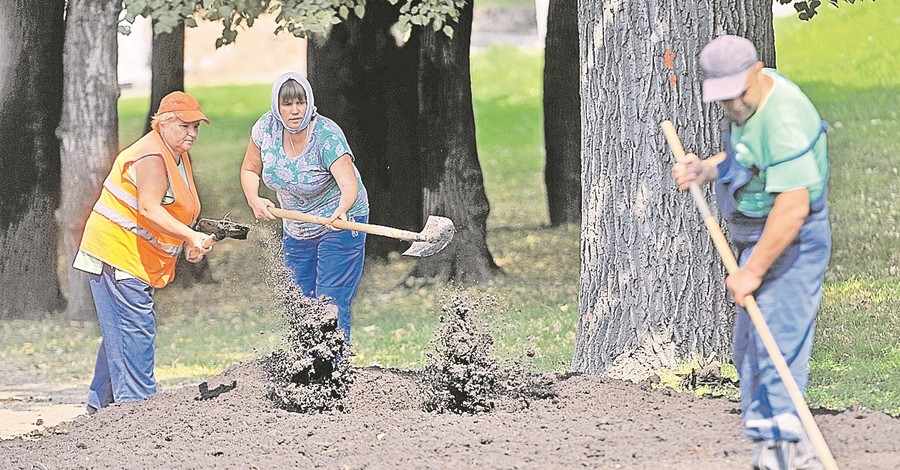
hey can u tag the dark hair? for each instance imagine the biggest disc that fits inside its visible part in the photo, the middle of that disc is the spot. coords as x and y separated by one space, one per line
290 91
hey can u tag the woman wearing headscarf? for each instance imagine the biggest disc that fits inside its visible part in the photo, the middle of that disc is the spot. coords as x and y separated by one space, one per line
137 229
304 157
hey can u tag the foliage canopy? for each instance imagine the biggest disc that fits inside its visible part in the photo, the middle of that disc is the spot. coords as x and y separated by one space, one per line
298 17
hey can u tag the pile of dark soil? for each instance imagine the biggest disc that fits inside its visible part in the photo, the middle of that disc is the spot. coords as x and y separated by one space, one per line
462 375
312 372
592 422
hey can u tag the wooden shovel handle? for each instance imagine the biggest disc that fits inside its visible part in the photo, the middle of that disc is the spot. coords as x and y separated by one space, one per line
715 232
347 225
759 322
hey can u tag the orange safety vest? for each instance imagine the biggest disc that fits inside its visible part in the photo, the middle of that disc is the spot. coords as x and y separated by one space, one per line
120 237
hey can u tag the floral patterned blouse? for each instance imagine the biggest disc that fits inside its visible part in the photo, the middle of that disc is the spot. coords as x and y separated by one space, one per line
304 182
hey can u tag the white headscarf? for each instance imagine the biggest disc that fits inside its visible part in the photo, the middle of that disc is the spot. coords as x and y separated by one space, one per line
310 109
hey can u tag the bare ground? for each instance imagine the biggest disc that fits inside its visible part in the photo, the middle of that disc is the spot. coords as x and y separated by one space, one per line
593 422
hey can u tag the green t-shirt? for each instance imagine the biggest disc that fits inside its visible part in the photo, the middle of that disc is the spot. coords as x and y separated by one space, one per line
782 139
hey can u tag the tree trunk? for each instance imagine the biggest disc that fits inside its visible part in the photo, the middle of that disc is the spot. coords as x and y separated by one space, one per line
562 124
368 84
749 20
88 129
652 285
166 68
31 47
453 182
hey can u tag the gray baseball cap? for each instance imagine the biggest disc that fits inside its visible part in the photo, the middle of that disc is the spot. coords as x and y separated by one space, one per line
725 62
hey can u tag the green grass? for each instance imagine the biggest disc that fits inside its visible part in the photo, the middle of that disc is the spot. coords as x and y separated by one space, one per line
203 329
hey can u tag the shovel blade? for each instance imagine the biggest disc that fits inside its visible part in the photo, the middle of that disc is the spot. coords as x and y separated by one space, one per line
438 233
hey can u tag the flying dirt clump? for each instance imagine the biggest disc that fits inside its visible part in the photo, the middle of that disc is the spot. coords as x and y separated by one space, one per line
461 375
311 373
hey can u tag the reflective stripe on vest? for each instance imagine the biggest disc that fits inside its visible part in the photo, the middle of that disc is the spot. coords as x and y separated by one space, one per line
134 228
127 198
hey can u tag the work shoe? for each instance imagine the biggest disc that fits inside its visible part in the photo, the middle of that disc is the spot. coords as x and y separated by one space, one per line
773 454
90 410
777 454
806 458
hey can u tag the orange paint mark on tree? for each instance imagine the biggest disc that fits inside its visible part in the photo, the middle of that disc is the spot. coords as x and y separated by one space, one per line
669 59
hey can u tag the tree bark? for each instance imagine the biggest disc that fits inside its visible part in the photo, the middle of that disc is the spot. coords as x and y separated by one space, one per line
88 129
452 177
367 83
652 287
31 45
166 68
562 121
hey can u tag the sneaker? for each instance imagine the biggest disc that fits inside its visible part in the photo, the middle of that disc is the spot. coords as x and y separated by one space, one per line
90 410
806 458
773 454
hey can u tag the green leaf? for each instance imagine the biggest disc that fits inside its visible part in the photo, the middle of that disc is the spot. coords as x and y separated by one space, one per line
344 12
360 10
448 30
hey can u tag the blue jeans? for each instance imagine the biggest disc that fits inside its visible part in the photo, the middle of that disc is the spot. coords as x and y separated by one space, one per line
124 368
329 265
788 298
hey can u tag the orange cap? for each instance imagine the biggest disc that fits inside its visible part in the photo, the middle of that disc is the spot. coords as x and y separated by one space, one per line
183 105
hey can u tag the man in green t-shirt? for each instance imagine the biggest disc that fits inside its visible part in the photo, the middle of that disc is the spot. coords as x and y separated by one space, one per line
771 188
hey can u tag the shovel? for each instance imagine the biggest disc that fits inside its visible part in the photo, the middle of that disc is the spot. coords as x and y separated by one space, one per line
433 238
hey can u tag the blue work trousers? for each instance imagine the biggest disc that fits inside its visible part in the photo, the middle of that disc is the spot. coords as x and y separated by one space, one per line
788 298
330 265
124 368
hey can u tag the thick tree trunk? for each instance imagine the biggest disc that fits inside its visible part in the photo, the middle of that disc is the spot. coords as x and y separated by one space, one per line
562 121
31 45
368 84
754 22
166 68
453 182
652 290
88 130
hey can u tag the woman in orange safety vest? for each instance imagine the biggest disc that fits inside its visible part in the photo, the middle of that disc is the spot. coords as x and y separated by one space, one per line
137 229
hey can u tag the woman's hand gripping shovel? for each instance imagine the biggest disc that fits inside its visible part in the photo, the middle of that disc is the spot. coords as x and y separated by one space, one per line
759 322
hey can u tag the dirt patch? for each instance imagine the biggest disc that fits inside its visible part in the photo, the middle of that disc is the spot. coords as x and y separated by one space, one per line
592 422
462 375
312 372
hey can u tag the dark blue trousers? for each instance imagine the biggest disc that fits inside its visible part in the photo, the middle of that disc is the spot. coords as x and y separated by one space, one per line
330 265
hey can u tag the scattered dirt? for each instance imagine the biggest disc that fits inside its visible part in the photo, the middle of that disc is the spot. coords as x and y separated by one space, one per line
462 375
312 372
592 422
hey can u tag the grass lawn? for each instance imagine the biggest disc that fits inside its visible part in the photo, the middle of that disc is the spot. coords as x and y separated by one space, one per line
844 59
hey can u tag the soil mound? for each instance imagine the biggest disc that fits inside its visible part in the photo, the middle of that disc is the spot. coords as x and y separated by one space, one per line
592 422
